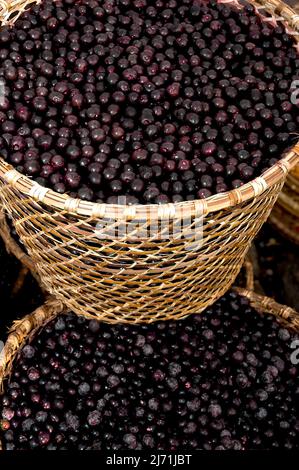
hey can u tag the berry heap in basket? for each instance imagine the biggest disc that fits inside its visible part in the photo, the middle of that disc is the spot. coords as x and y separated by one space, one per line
153 100
220 380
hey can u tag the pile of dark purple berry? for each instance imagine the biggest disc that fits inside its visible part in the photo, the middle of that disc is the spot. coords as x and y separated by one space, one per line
220 380
154 100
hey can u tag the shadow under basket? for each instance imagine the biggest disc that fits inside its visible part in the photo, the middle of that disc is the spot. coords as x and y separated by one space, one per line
104 260
23 331
285 214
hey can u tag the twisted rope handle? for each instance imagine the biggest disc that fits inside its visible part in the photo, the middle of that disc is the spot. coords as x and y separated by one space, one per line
263 304
249 273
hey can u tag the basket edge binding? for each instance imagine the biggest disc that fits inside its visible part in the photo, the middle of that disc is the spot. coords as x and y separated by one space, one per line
24 330
217 202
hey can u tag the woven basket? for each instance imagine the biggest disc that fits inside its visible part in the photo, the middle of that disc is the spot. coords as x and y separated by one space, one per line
24 330
146 278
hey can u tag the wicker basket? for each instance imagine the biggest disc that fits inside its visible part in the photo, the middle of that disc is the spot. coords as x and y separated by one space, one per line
24 330
146 278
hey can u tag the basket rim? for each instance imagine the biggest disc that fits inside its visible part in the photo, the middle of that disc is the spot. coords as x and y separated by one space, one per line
229 199
195 208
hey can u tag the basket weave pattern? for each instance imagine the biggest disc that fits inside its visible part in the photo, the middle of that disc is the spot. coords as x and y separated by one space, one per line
149 279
